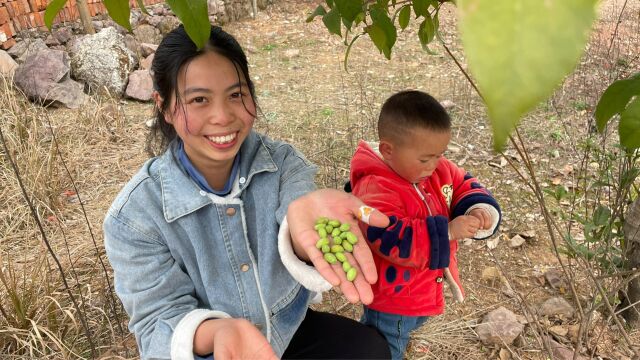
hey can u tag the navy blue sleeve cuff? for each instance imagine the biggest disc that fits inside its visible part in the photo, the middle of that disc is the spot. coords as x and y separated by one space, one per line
438 229
468 201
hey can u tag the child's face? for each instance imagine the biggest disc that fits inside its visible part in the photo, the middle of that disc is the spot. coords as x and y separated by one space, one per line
212 121
418 155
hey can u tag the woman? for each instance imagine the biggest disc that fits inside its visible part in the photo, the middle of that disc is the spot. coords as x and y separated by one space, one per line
193 237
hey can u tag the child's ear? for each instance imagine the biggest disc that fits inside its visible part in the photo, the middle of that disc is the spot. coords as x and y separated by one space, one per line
386 149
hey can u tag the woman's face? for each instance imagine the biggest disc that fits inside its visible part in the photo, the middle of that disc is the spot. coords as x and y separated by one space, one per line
215 114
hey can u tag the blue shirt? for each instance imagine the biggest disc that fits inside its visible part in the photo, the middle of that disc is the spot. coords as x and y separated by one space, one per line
199 178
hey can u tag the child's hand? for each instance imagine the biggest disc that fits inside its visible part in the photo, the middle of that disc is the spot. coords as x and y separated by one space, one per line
464 226
484 217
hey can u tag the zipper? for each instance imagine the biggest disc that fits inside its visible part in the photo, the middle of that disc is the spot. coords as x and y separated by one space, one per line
424 200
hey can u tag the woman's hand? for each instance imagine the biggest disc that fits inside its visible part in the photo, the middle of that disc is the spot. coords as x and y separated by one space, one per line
334 204
231 339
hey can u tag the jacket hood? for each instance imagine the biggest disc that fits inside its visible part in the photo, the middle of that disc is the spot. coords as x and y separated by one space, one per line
367 161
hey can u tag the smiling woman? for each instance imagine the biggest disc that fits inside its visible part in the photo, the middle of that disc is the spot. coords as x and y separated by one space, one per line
210 241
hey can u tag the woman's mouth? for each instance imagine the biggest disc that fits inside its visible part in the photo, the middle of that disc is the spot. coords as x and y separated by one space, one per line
223 141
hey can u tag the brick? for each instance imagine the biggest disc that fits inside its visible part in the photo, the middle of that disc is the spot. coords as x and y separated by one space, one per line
73 12
6 30
10 10
34 5
4 15
7 44
25 6
38 19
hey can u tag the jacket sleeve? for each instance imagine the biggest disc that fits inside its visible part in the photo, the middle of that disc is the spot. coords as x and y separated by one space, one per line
297 179
163 311
469 194
421 243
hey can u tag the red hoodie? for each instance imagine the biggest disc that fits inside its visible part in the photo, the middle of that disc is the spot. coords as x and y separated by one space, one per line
413 254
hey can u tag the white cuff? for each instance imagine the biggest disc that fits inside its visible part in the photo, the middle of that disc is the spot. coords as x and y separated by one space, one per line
182 339
495 219
306 275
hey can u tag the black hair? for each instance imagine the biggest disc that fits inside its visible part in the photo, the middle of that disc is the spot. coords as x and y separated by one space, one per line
176 51
409 109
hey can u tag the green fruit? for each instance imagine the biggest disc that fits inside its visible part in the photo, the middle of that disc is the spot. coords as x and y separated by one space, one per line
321 242
340 256
331 259
345 227
337 241
337 248
322 233
334 223
336 233
322 220
328 228
347 246
351 238
326 249
351 274
346 266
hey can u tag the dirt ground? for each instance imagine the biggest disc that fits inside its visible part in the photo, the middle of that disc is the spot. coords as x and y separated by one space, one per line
308 99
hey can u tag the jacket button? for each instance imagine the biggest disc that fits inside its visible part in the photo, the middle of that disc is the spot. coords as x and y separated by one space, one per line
244 267
231 211
439 279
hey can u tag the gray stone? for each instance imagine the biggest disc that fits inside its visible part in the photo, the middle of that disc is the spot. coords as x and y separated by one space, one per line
556 306
133 44
44 76
103 61
154 20
21 50
140 85
63 34
516 241
8 66
167 24
555 280
147 49
146 33
51 41
560 352
145 64
499 327
97 25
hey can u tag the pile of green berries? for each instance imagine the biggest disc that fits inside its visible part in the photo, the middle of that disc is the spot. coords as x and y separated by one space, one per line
335 240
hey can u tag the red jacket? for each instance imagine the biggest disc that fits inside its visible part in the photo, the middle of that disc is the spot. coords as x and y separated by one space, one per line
413 254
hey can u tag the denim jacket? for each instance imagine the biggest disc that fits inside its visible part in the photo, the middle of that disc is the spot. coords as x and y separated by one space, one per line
181 255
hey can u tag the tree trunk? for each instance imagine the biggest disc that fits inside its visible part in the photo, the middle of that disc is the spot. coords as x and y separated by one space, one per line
632 237
85 17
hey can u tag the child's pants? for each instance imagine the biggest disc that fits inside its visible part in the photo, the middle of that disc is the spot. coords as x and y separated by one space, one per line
395 328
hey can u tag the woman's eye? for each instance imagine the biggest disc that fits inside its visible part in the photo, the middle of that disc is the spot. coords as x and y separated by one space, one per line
199 99
236 95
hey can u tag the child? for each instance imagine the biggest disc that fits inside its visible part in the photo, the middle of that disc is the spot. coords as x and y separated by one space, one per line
431 203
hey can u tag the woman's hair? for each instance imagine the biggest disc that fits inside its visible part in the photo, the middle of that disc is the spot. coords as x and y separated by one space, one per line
174 52
406 110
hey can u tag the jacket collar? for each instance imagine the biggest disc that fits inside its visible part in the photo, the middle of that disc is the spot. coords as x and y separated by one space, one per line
182 196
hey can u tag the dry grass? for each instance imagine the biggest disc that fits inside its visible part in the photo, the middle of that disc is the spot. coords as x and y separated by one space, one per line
308 100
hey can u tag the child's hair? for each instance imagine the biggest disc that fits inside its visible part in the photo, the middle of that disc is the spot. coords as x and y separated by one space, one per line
407 110
175 51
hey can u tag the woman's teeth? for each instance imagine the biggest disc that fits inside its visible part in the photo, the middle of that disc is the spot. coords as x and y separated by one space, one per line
222 139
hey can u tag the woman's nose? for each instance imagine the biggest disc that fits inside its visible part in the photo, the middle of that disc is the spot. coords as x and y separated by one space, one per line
220 114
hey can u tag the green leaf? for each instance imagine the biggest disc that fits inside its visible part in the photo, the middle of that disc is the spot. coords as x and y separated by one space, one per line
381 19
520 50
629 127
194 16
378 37
601 215
330 3
426 31
142 7
404 16
349 9
420 7
332 21
615 99
319 11
119 11
52 10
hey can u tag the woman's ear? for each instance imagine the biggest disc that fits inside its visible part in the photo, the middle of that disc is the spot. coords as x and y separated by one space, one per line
386 149
159 101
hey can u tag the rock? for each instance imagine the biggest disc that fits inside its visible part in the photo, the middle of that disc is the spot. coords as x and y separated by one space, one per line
51 41
559 330
103 61
504 354
556 306
527 234
167 24
133 44
150 123
555 279
154 20
8 66
146 33
147 49
560 352
140 85
44 76
492 274
146 63
21 50
573 332
499 327
63 34
516 241
447 104
493 243
97 25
